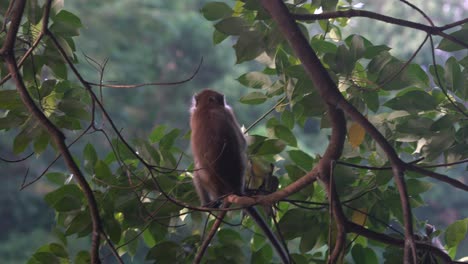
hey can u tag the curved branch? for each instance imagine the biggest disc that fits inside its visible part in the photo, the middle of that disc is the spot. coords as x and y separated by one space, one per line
57 136
432 30
129 86
17 160
443 178
331 95
355 228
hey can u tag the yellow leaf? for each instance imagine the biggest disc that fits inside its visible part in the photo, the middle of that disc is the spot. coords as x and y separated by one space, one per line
356 134
359 217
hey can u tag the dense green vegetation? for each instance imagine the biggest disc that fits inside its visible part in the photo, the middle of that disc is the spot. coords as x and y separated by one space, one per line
420 110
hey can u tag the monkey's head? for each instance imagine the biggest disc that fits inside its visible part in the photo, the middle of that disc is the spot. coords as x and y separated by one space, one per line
208 99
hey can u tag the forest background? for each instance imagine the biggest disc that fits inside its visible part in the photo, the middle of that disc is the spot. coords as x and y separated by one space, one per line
146 41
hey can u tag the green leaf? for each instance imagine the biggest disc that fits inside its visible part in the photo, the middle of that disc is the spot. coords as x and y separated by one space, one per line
22 140
373 51
371 99
357 47
41 142
377 64
80 223
437 143
148 238
232 26
57 178
255 80
131 244
417 127
323 46
249 46
329 5
456 232
455 80
157 134
344 61
68 50
47 87
216 10
416 186
229 236
82 257
43 258
166 252
412 101
363 255
268 147
113 229
312 104
253 98
287 118
443 123
264 255
218 37
10 100
285 134
12 120
302 159
90 157
74 109
66 198
294 222
448 45
310 237
148 152
47 251
103 173
66 24
168 140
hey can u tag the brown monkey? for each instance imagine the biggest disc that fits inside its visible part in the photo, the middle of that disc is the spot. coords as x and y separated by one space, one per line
218 146
219 151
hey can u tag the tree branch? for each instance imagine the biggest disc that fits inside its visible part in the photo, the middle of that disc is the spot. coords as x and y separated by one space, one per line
331 95
432 30
7 51
355 228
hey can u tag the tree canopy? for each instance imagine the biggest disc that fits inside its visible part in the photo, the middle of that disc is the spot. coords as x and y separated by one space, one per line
393 127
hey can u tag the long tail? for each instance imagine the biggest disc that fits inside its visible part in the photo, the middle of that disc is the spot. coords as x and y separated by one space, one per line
277 244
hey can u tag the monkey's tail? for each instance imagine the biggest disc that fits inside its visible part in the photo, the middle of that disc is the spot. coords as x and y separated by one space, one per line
280 248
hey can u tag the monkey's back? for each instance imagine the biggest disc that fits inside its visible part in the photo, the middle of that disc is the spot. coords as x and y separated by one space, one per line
218 146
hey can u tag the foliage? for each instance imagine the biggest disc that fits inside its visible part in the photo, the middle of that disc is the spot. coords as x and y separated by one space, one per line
145 200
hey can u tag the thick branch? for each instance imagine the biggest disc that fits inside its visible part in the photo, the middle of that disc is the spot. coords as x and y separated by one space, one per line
57 136
330 94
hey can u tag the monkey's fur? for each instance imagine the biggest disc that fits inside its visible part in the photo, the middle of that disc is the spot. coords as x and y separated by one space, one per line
219 151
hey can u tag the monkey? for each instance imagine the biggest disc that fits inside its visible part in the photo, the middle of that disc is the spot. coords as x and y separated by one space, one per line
218 147
219 150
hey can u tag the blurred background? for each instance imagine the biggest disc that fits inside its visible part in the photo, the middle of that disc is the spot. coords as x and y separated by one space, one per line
163 41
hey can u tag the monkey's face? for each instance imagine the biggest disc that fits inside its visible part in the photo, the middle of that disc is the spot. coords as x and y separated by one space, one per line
208 99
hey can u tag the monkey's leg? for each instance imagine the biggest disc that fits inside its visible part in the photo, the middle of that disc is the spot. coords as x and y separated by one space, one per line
276 243
201 191
209 237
